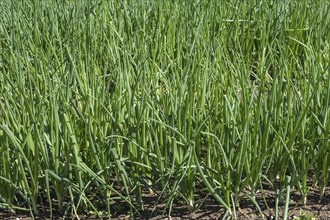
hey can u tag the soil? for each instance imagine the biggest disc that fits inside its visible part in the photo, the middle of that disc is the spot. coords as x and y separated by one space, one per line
314 209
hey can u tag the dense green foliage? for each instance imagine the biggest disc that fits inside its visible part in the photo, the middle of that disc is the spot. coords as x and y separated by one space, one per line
103 100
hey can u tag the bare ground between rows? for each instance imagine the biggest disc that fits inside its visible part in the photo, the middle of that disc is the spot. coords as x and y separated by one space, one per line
210 209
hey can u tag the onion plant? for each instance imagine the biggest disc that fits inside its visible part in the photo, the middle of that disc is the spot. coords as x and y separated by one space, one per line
104 101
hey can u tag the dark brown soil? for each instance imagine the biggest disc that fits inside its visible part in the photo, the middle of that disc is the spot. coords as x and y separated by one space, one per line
211 210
